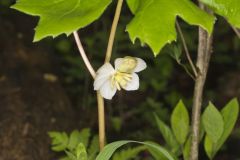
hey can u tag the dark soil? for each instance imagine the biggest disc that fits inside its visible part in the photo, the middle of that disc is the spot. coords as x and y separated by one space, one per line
32 100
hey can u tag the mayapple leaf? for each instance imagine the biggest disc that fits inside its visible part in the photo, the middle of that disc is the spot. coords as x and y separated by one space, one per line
213 123
229 9
61 16
154 20
180 122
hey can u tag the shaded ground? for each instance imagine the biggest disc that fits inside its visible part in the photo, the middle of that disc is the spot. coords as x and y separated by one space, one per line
32 101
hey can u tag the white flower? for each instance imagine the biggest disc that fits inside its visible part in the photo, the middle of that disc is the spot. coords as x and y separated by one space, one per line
109 80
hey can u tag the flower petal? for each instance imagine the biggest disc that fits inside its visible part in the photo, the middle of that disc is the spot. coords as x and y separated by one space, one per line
133 84
118 62
107 68
108 91
99 81
141 65
103 74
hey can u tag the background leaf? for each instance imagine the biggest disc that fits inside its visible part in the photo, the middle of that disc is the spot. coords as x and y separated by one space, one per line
61 16
59 141
108 150
154 21
73 139
156 154
129 153
93 148
180 122
186 149
213 123
230 115
230 9
209 147
84 136
167 135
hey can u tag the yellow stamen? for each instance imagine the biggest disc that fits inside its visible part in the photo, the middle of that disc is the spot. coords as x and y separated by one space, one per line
120 80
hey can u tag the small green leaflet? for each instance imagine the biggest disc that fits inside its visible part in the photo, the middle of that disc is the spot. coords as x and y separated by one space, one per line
154 21
230 9
61 16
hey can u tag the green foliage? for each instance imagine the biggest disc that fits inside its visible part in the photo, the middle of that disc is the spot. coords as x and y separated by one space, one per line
186 149
213 122
229 115
78 154
168 136
230 9
180 122
157 32
176 137
59 141
155 153
60 16
75 144
109 149
129 153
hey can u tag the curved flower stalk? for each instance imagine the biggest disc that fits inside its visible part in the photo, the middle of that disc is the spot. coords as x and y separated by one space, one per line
108 80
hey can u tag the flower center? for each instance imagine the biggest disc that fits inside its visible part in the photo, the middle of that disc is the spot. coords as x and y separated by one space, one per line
120 79
128 64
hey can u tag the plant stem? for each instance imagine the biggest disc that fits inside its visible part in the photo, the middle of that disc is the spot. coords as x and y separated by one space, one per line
186 49
83 54
113 31
203 58
101 121
101 116
101 112
236 31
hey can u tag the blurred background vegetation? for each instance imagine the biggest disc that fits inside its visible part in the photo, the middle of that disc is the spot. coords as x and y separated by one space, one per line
163 83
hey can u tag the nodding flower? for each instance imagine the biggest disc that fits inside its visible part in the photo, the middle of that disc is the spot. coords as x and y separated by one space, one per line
108 80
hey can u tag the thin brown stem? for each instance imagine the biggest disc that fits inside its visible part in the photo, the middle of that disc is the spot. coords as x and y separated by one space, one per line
83 54
113 31
237 31
186 49
203 58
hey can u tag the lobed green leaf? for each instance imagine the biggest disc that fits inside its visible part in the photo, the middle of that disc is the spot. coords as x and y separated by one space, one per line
230 9
61 16
154 20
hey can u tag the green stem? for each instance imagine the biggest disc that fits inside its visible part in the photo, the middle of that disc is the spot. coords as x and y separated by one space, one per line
101 112
113 31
